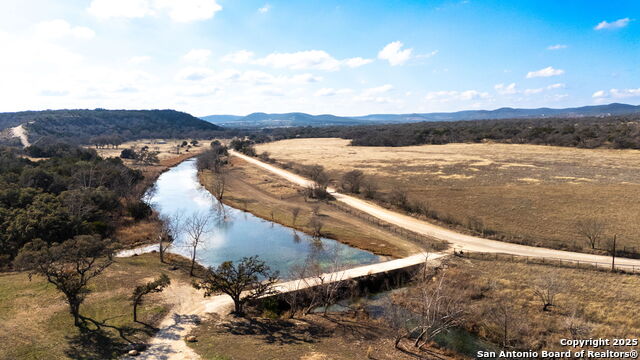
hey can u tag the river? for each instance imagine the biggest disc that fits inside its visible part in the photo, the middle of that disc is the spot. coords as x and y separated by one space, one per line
234 234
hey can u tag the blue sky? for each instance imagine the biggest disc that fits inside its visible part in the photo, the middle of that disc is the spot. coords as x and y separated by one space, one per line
341 57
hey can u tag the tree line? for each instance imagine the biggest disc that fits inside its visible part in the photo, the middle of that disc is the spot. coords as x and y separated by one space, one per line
619 132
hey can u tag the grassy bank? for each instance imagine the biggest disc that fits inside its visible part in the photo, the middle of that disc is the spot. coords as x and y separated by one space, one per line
267 196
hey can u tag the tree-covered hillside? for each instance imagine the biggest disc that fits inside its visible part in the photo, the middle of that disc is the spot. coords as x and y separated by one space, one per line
79 126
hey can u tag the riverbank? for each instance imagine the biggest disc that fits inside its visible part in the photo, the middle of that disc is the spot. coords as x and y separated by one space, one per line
132 234
272 198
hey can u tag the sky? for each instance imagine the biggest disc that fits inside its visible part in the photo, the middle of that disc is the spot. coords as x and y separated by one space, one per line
317 56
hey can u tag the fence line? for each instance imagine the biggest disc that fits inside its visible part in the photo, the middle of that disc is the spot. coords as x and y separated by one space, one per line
592 265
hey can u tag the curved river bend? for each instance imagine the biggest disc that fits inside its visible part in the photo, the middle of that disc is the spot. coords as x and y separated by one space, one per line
235 234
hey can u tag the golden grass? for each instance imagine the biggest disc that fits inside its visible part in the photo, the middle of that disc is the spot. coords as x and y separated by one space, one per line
526 193
166 148
313 337
602 301
35 322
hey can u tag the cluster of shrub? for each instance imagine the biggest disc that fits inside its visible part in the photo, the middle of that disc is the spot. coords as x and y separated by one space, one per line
620 132
72 192
245 146
213 159
142 155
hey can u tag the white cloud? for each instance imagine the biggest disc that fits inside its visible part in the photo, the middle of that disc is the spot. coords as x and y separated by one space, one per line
238 57
533 91
557 47
556 86
197 55
332 92
620 23
453 95
195 74
624 93
546 72
311 59
137 60
616 94
264 9
357 62
393 54
54 92
120 8
189 10
377 90
178 10
262 78
428 55
511 89
55 29
506 89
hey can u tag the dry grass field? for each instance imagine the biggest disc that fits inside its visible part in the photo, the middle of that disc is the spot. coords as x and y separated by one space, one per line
526 193
312 337
35 322
592 304
166 148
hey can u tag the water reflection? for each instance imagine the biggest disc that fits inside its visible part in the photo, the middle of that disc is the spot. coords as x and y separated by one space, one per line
234 234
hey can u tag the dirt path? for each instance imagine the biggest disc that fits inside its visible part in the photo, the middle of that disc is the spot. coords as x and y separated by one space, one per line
20 132
457 240
190 306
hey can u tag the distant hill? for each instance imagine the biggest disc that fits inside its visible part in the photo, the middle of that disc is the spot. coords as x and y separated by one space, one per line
508 113
262 120
80 126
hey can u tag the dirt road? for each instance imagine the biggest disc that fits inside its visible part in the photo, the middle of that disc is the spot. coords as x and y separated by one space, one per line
457 240
21 133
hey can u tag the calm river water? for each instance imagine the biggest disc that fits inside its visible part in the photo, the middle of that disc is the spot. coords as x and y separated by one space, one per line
234 233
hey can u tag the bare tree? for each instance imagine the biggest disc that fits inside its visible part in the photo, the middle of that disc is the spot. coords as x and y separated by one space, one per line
547 289
316 226
218 185
196 226
592 228
321 282
399 198
170 229
294 215
438 307
352 180
612 250
370 188
502 316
